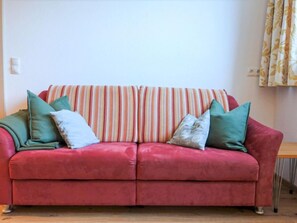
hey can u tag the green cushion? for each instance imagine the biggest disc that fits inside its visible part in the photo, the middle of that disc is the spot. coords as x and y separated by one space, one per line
42 127
61 103
228 129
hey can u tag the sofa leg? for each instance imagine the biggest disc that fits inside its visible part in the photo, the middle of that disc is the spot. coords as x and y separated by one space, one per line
259 210
7 209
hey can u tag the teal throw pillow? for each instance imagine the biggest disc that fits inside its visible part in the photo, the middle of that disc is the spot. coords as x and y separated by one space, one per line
61 103
42 127
228 129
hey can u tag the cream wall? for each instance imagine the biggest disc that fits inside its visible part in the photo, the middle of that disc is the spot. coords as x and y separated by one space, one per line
198 43
286 116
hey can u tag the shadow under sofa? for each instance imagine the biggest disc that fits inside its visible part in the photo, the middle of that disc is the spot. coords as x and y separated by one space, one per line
133 164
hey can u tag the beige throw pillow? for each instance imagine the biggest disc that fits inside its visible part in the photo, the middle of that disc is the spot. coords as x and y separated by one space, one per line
192 131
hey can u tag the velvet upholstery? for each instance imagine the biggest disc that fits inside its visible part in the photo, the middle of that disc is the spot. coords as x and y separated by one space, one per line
73 180
104 161
71 192
43 95
161 161
262 143
7 150
232 102
189 193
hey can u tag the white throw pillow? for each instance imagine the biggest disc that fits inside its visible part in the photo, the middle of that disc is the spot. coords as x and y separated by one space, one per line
192 131
74 129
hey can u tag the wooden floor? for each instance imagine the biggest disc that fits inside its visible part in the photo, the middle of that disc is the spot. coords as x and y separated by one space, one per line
287 214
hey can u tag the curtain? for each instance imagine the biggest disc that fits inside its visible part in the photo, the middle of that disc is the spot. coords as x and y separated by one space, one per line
279 54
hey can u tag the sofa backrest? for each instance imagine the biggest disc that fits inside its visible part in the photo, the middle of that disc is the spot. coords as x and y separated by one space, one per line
111 111
128 114
162 109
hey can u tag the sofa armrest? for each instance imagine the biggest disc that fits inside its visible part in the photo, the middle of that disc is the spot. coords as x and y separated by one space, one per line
263 144
7 150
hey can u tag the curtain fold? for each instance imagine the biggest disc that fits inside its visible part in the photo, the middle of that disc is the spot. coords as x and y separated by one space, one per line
279 53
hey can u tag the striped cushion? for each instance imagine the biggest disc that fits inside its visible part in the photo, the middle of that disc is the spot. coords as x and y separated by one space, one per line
162 109
111 111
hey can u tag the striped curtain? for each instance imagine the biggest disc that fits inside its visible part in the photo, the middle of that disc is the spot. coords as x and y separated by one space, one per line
111 111
279 54
162 109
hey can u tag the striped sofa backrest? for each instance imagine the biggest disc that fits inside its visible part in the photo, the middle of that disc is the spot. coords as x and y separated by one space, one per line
162 109
111 111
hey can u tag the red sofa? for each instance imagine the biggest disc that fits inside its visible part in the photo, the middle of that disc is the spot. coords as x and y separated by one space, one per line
132 165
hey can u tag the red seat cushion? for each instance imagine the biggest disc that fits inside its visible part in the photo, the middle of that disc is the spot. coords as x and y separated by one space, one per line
159 161
106 161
